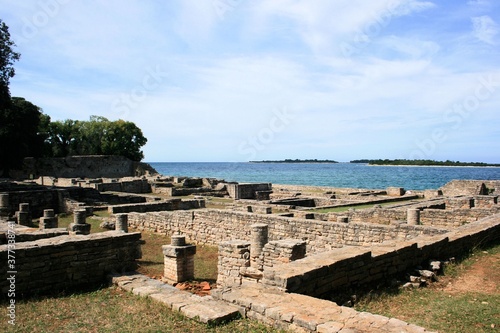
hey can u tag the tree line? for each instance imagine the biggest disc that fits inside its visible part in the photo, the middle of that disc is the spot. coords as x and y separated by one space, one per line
420 162
26 131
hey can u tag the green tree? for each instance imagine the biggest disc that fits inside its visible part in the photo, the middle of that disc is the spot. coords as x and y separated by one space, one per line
7 58
98 136
19 119
62 138
19 134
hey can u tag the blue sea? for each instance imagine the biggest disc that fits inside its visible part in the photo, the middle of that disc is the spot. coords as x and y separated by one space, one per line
350 175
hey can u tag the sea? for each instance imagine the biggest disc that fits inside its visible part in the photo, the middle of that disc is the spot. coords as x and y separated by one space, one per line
343 175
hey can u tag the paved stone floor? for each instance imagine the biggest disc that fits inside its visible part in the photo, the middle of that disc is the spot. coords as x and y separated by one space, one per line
292 312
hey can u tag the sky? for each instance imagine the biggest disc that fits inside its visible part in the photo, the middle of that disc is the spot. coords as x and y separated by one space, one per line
234 80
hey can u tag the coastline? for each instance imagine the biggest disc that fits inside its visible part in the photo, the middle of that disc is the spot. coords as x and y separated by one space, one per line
430 166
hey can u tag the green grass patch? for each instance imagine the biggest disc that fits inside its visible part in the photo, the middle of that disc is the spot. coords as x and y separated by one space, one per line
110 310
66 219
151 264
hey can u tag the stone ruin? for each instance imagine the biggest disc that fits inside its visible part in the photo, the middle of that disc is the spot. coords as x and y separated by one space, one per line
283 256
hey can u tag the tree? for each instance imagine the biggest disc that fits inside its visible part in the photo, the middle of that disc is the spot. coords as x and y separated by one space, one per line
19 119
61 138
19 134
98 136
7 58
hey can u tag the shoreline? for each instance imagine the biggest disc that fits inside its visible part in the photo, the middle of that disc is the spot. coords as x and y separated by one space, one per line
430 166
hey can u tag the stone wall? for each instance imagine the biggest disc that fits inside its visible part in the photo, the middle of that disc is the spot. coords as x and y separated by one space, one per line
127 186
41 198
446 218
82 167
464 187
212 226
247 191
67 262
157 206
329 272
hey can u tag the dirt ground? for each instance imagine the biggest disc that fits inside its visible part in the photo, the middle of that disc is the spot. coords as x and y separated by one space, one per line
482 277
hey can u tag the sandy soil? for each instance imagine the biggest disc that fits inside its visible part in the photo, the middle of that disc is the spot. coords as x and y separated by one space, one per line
482 277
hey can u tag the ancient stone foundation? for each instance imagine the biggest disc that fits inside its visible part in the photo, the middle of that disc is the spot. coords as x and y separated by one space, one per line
67 262
212 226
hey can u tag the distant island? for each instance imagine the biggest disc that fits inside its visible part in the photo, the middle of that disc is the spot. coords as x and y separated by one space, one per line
422 162
296 161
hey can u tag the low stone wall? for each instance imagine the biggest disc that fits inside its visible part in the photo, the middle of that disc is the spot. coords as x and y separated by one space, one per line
169 205
127 186
61 200
471 187
323 274
446 218
67 262
30 234
247 191
177 192
82 167
38 200
212 226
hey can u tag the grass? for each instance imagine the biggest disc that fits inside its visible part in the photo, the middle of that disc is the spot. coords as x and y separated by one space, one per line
64 220
218 203
436 308
110 310
151 264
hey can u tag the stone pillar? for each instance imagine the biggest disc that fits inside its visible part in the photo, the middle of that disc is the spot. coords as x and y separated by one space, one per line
80 216
48 220
121 222
23 215
342 219
234 257
4 205
178 260
258 238
79 225
413 216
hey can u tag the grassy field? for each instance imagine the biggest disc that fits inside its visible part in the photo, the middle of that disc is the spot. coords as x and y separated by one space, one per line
110 310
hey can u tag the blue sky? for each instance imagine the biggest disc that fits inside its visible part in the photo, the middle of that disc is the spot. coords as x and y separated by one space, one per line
234 80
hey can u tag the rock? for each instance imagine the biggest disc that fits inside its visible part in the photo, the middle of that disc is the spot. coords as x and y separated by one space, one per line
407 285
435 265
414 279
107 225
182 286
427 274
205 286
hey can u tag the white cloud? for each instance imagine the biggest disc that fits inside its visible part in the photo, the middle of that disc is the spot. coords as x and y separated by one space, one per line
227 75
485 29
325 25
479 2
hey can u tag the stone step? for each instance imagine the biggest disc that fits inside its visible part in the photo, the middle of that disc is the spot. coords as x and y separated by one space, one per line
203 309
302 313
